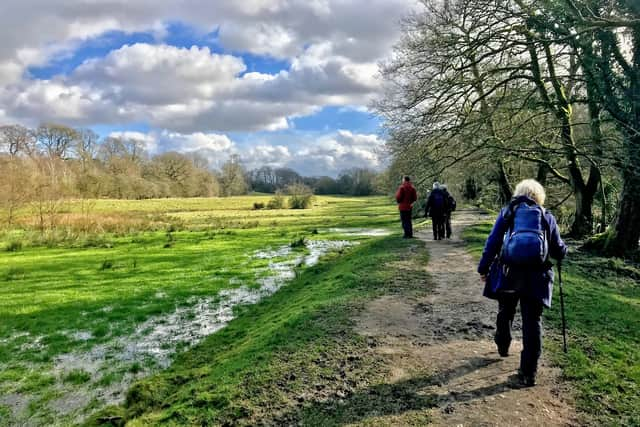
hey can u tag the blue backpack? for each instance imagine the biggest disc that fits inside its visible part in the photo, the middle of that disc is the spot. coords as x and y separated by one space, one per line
438 201
525 242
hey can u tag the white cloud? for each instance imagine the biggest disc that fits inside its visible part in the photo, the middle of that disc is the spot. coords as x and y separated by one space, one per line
158 142
275 156
260 39
327 154
190 90
343 150
159 74
196 141
333 47
41 100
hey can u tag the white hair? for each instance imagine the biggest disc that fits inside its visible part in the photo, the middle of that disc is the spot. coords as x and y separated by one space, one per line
443 186
531 189
436 185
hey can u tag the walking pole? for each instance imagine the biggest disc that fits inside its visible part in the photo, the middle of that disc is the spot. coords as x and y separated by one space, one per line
564 324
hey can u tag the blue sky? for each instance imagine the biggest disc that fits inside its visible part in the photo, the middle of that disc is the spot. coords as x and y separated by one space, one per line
279 83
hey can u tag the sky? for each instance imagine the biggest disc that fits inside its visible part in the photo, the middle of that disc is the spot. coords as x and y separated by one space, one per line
283 83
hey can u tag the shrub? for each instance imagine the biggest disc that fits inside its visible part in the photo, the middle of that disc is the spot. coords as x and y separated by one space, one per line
300 196
277 202
258 205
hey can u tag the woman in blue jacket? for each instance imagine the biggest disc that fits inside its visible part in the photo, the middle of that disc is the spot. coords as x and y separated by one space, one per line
531 285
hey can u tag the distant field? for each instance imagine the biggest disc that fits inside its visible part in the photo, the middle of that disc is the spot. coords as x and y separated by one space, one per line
77 217
83 314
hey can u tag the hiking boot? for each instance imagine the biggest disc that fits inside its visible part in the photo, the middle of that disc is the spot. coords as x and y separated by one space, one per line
503 349
526 380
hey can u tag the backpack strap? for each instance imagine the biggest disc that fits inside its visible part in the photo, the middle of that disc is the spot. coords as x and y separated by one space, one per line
510 214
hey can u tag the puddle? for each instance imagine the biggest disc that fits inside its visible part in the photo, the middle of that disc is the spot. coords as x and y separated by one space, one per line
82 335
17 403
367 232
33 345
154 342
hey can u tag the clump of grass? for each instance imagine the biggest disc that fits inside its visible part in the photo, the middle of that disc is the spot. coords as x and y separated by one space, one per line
14 246
109 416
36 381
298 242
258 206
110 378
15 273
100 331
170 239
5 412
94 241
76 376
249 224
107 264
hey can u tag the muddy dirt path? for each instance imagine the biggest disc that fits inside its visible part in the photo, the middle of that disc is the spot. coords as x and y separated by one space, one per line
447 336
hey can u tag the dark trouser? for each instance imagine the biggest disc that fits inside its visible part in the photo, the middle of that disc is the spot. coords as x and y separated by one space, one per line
407 226
531 329
438 223
448 225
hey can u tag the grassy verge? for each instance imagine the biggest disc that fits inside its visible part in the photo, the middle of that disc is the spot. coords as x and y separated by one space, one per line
602 298
292 358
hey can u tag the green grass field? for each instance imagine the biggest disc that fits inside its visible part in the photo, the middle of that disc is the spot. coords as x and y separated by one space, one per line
602 299
73 303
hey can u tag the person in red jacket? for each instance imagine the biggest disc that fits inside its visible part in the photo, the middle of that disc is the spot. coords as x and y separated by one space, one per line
406 196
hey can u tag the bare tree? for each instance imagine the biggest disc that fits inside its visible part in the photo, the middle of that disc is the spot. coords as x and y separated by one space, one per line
56 141
16 139
233 177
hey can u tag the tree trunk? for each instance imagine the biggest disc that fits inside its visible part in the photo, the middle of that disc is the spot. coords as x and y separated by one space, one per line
624 239
504 188
583 220
582 225
543 173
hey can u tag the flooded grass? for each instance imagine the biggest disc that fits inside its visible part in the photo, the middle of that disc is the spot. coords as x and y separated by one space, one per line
75 334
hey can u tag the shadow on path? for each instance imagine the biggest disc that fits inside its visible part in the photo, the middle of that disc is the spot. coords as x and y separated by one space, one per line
412 394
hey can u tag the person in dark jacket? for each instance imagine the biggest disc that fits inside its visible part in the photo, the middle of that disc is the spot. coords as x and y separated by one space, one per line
451 206
436 208
532 287
406 196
